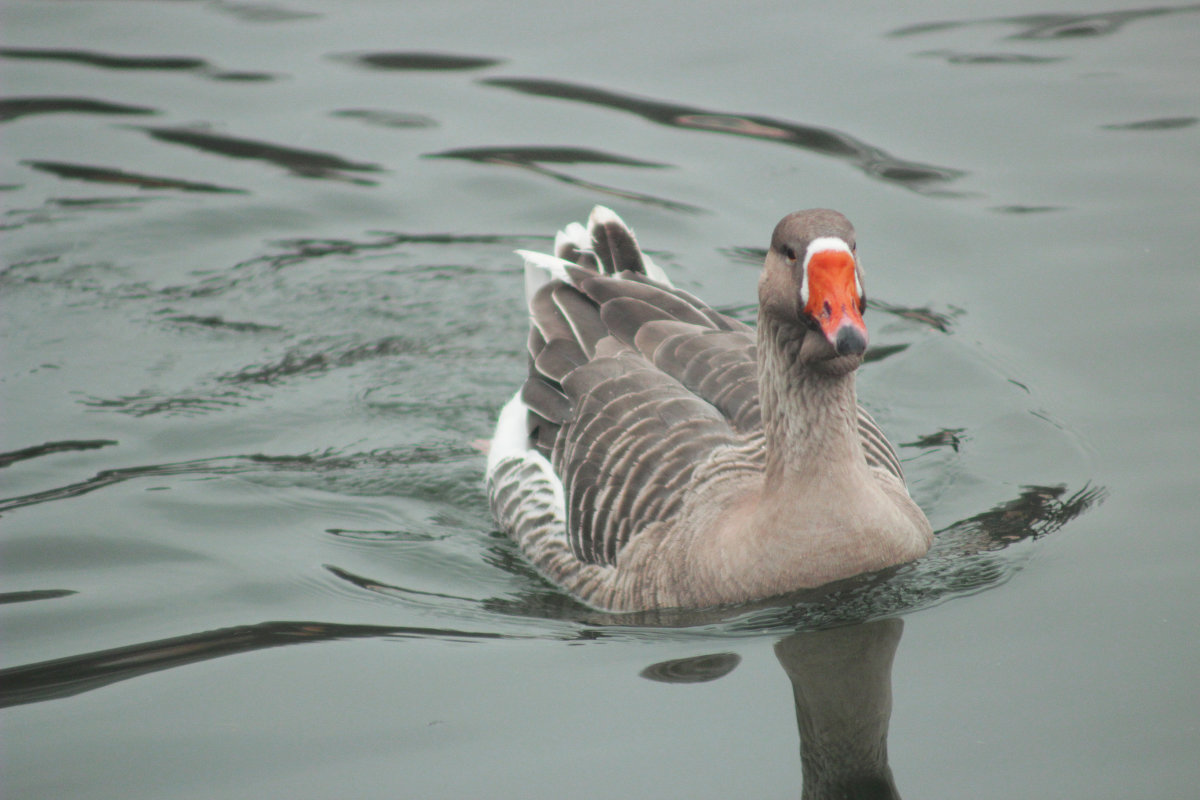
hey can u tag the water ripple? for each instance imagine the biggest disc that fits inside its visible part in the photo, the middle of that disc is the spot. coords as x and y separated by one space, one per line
1156 124
64 677
406 60
48 448
535 158
260 12
92 58
872 160
386 119
302 163
93 174
15 107
990 59
1054 26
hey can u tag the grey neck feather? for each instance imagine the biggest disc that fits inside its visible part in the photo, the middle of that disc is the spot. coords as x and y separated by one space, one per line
810 416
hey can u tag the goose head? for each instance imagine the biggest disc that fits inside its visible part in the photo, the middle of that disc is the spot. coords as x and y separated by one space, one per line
811 289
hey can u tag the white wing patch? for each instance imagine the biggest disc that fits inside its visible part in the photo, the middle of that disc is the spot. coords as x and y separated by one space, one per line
511 441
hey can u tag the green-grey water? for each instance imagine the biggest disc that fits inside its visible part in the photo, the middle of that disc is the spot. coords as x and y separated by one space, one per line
258 305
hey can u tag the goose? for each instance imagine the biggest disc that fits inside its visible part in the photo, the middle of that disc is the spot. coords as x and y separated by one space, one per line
663 455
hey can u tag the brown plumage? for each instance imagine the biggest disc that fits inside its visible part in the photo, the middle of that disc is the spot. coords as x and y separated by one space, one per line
661 454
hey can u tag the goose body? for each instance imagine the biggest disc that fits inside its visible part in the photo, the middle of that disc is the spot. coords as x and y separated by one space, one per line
663 455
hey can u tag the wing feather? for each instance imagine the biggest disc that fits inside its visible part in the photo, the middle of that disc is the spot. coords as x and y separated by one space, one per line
638 393
876 447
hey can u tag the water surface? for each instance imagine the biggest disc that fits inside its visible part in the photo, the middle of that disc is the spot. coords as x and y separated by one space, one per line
259 303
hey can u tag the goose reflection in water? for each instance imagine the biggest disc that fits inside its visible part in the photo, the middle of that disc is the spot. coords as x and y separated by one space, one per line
842 688
841 684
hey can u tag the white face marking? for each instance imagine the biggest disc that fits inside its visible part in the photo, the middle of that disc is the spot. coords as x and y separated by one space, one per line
823 244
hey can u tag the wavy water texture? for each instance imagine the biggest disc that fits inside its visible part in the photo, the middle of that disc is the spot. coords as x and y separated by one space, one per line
37 451
118 177
386 119
332 469
417 61
1054 26
535 158
16 107
1156 124
259 309
298 162
870 159
953 567
65 677
110 61
968 556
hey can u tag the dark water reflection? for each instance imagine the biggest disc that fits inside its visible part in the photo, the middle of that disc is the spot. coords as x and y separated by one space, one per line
16 107
93 174
254 464
872 160
386 119
842 688
1159 124
409 61
90 58
534 159
1056 26
302 163
694 669
52 447
64 677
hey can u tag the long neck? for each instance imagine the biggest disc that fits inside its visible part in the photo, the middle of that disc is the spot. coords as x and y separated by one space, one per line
810 417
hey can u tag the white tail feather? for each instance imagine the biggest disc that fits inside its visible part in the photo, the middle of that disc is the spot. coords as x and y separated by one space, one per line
654 272
603 215
574 235
540 269
511 439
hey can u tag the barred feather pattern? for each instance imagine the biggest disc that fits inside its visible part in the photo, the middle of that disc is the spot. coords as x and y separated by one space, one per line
524 503
638 397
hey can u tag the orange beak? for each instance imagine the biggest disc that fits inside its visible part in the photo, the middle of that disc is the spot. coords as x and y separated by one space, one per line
835 302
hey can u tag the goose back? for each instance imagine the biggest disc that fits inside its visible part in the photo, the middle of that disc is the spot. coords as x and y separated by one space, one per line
640 399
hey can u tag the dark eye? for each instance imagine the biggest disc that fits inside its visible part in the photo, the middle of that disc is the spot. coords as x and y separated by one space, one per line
789 253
